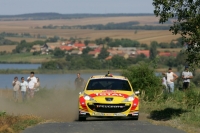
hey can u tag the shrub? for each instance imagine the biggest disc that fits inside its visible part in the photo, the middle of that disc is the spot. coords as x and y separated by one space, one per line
193 98
143 78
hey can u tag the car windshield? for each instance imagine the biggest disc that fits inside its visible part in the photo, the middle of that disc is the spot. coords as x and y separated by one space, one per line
108 84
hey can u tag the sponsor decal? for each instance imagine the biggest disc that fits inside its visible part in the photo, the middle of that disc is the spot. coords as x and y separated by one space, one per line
109 94
109 106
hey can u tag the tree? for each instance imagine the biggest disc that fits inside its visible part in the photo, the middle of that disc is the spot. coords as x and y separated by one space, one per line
86 42
186 20
103 54
143 78
119 62
153 50
86 50
59 53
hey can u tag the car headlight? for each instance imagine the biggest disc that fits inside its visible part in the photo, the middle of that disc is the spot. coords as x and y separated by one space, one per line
129 99
88 98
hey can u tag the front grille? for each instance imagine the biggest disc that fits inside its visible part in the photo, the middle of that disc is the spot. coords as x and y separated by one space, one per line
108 108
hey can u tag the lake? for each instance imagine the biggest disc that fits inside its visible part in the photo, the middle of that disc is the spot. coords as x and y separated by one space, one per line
20 66
49 81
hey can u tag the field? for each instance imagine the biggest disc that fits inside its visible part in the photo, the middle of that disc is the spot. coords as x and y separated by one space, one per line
7 48
142 36
25 57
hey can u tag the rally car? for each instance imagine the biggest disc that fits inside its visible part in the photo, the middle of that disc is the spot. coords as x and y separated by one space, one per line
108 96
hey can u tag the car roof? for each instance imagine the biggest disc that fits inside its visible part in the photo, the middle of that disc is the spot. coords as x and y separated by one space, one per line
108 77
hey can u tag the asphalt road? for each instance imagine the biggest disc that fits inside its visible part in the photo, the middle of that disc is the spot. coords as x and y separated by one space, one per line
101 126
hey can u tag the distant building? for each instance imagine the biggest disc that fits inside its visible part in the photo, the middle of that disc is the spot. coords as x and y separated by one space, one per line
145 52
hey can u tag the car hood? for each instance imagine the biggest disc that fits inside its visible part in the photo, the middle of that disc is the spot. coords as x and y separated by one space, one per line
100 95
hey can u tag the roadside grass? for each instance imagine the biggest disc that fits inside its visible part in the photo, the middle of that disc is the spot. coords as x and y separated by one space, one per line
14 124
180 110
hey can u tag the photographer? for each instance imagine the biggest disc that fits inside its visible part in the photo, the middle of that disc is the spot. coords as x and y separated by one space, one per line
186 76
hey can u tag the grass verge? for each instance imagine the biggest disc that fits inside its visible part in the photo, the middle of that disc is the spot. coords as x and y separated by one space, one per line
14 124
180 110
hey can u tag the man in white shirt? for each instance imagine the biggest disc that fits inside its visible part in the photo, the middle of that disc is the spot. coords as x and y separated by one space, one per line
31 84
171 77
24 87
16 86
186 76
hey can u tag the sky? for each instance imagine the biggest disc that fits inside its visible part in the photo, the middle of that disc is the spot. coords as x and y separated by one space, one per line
15 7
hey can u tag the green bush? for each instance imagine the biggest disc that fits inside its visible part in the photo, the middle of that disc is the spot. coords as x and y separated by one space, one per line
143 78
193 98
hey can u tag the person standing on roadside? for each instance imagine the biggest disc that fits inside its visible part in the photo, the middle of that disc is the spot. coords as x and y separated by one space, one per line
16 87
164 82
37 87
24 88
186 76
79 82
32 81
171 77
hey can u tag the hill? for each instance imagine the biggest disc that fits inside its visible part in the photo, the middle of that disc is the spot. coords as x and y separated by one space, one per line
51 16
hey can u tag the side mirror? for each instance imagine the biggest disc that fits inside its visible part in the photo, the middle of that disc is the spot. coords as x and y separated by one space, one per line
137 92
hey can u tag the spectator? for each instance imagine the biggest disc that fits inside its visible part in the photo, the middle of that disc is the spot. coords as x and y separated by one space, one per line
24 88
171 77
16 87
79 82
32 81
186 76
164 82
37 84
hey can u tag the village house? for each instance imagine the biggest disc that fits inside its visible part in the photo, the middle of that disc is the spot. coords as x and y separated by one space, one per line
145 52
49 46
44 49
92 45
35 48
95 52
78 45
167 54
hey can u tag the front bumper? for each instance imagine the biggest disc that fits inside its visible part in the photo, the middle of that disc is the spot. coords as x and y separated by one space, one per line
104 110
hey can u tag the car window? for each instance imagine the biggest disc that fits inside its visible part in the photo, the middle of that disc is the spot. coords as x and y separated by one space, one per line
108 84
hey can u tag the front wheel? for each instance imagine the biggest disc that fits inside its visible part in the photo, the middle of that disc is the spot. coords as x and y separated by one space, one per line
135 117
81 118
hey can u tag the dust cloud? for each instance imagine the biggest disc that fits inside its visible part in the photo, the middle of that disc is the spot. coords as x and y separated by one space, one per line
50 104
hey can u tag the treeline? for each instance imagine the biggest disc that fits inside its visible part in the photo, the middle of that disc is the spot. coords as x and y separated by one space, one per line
50 16
133 43
22 35
132 25
4 41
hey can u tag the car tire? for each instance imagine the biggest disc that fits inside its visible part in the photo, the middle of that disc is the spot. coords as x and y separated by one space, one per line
135 117
81 118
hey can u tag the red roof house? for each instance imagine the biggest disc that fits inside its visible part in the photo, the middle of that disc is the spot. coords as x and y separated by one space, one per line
67 48
167 54
79 45
145 52
108 58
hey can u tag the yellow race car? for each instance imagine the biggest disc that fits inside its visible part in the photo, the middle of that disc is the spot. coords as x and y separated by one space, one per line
108 96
